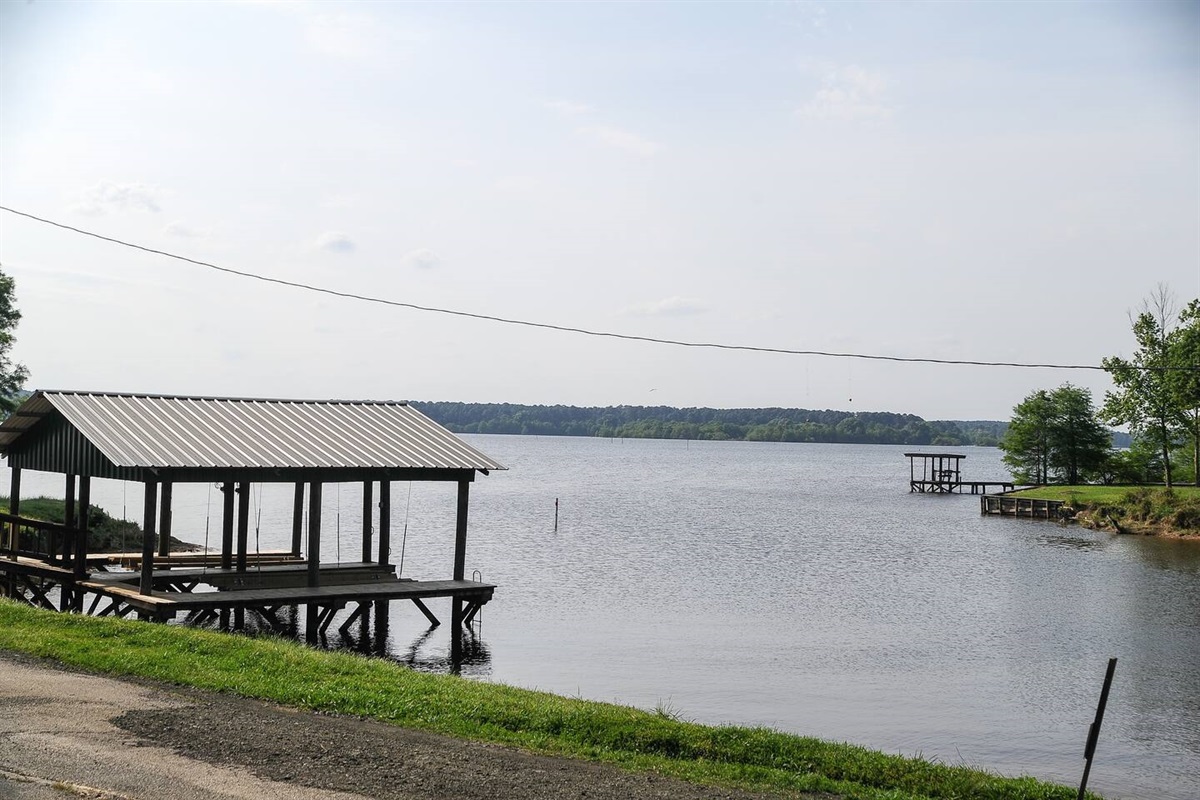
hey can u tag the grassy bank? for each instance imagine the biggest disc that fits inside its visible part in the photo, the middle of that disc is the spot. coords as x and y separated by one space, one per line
290 674
1142 510
105 533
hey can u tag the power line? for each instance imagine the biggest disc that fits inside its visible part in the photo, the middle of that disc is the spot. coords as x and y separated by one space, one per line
546 325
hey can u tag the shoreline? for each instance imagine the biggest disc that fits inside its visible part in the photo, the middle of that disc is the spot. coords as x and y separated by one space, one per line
722 758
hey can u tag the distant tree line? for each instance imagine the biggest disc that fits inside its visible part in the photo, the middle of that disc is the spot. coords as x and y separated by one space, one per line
747 424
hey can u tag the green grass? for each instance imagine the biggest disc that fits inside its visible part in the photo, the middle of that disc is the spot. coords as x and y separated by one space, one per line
287 673
1094 495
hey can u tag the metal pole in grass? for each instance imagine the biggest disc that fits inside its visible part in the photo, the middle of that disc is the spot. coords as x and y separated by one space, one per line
1089 750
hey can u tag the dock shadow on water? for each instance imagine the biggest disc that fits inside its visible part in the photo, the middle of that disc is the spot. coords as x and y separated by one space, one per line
435 649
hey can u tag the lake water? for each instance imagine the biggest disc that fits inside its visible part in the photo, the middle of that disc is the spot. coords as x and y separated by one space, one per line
799 587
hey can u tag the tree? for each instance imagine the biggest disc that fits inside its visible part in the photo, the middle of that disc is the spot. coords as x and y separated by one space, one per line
12 376
1079 444
1056 434
1147 386
1026 443
1185 353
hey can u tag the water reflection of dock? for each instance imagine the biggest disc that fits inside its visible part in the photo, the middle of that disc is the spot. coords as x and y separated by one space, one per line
941 473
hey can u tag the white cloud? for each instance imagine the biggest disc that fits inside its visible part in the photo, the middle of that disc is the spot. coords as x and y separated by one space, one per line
181 230
106 197
568 108
421 259
669 307
335 242
848 94
620 139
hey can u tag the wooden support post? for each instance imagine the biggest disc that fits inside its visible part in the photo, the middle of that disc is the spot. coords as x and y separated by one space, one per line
227 526
164 520
14 508
368 512
243 528
314 534
424 609
385 522
382 616
67 587
243 523
81 539
456 636
460 530
149 518
460 563
312 621
298 520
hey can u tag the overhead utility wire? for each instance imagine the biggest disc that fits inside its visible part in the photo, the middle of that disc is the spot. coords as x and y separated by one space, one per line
546 325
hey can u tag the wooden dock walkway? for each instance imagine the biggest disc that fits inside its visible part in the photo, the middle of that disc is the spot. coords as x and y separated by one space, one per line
205 592
164 605
958 487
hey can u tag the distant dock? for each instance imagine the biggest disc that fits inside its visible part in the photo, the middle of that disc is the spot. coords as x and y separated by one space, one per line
941 473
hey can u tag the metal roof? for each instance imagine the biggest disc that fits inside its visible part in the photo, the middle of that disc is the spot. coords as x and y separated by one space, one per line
163 431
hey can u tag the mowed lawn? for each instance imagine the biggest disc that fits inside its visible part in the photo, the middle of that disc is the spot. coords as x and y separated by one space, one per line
1097 495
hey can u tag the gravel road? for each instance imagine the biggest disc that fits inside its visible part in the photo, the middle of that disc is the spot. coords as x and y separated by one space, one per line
65 732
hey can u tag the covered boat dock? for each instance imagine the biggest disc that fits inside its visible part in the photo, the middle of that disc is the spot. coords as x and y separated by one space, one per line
161 440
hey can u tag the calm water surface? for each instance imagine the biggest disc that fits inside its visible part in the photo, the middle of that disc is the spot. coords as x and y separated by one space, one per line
800 587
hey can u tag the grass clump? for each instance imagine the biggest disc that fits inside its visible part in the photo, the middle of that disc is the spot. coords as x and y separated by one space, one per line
287 673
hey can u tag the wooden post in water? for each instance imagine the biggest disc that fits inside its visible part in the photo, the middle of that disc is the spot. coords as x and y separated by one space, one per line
460 566
1089 749
298 520
312 613
227 525
385 522
368 512
243 535
556 515
243 524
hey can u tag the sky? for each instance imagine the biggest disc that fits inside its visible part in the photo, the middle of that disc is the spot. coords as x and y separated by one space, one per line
964 181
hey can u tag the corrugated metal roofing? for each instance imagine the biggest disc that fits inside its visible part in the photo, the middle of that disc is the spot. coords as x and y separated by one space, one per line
161 431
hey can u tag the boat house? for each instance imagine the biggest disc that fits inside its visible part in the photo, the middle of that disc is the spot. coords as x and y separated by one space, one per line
161 441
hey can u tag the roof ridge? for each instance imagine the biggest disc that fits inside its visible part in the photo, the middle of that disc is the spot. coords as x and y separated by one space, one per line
156 396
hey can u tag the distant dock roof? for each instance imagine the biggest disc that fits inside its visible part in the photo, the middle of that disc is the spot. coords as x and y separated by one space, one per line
934 455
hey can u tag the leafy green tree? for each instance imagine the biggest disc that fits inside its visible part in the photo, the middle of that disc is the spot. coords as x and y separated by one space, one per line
1147 387
12 376
1026 443
1079 444
1055 435
1185 347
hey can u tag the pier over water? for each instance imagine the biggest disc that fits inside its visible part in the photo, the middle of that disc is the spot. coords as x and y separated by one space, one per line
941 473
